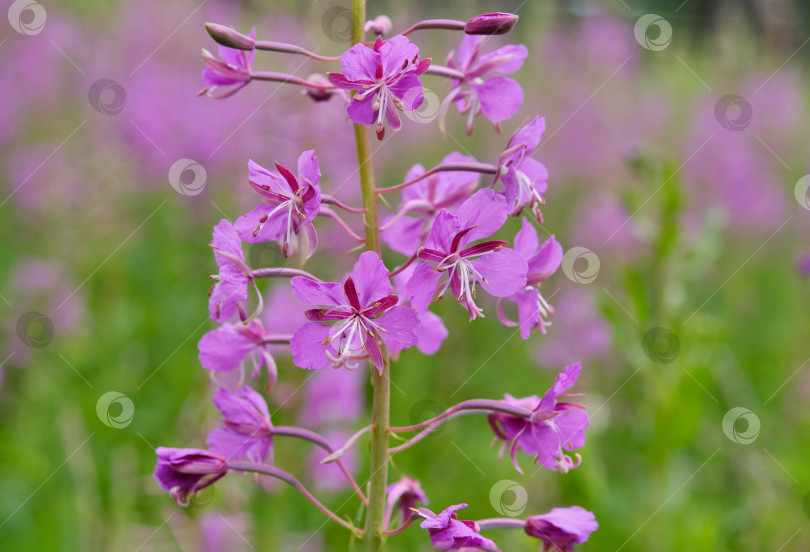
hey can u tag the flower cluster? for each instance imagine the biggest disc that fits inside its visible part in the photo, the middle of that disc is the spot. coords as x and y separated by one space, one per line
454 232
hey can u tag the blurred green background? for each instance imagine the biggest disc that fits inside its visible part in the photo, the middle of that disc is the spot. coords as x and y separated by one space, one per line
678 163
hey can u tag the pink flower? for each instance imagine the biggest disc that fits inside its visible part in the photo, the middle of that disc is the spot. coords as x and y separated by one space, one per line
356 305
496 96
183 472
231 282
225 348
231 73
403 495
246 435
443 190
524 179
385 78
290 205
447 532
499 270
553 426
562 527
543 261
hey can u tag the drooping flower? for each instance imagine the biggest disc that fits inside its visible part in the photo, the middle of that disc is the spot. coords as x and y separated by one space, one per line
231 73
524 178
183 472
499 270
365 310
491 24
246 432
561 528
403 495
231 282
552 428
225 348
480 91
386 80
543 261
443 190
447 532
290 205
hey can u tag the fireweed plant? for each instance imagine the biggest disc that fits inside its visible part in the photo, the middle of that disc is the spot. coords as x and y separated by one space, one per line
444 226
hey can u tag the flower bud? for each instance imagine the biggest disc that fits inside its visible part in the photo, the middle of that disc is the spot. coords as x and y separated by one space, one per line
319 94
229 37
491 24
380 25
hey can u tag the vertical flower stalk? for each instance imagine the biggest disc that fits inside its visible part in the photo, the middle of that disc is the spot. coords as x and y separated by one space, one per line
380 380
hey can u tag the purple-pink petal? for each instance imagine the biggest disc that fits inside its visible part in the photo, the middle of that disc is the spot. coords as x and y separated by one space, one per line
422 286
400 324
485 211
224 348
504 272
307 347
500 97
318 293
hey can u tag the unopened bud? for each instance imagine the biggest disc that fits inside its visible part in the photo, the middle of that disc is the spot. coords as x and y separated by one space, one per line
319 94
491 24
380 25
229 37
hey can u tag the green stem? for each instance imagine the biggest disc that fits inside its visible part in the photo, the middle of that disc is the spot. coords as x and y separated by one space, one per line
381 382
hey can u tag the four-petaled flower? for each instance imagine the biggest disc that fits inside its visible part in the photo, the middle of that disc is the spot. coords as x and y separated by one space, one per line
552 427
290 205
443 190
386 80
499 270
231 73
559 529
496 96
183 472
246 434
524 178
356 306
231 282
447 532
543 260
224 349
